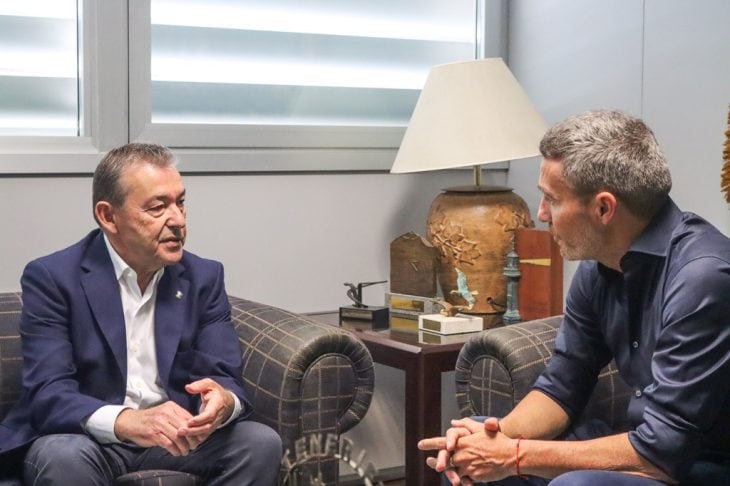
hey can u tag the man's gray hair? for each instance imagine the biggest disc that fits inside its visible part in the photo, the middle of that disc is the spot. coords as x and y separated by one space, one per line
611 151
106 185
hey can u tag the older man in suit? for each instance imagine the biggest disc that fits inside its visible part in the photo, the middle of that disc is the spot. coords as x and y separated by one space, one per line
130 361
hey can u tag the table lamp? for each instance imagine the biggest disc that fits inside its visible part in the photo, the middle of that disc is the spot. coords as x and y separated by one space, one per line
470 114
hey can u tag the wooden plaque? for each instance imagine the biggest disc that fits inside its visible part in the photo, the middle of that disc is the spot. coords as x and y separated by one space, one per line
541 283
413 266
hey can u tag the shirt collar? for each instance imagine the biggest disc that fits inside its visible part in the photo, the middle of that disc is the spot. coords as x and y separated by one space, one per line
655 238
121 267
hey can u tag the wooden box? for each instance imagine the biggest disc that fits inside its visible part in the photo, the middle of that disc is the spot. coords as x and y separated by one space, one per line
541 266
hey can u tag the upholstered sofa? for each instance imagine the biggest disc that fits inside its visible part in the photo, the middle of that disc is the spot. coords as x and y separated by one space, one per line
496 369
303 378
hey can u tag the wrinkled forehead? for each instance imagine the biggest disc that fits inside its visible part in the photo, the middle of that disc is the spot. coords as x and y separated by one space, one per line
147 180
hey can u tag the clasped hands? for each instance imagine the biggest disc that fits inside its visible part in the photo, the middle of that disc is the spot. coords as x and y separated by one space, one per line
472 451
173 428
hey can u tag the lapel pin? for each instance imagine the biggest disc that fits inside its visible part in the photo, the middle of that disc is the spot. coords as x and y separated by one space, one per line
178 295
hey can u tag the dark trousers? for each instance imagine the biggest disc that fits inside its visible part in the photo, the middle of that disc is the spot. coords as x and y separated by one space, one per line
702 473
243 453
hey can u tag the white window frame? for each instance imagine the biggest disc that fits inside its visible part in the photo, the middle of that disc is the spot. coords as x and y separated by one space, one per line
268 148
104 106
116 61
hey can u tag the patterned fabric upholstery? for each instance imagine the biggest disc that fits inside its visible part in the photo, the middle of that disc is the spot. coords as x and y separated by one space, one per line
10 356
157 478
496 369
303 377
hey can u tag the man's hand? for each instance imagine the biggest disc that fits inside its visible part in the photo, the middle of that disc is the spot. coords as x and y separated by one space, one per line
465 454
217 406
173 428
156 426
443 462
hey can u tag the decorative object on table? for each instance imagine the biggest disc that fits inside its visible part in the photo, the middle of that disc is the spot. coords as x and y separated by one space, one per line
449 309
410 305
541 266
427 337
469 114
403 322
462 290
512 274
725 181
458 324
359 310
413 263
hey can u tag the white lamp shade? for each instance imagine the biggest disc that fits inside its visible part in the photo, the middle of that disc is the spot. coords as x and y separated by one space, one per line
470 113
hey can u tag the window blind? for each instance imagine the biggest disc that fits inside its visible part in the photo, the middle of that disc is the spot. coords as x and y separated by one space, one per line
289 62
39 66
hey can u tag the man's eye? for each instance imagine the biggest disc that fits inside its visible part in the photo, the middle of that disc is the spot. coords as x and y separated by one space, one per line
156 210
181 203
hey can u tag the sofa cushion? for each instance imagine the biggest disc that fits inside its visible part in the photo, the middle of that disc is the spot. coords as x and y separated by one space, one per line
10 354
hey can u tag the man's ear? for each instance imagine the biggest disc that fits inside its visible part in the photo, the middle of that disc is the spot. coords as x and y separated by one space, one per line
606 206
104 213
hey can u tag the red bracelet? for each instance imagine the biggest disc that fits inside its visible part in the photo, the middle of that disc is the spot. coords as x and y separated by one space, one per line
517 460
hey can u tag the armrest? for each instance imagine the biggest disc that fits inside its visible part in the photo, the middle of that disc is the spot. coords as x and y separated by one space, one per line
303 377
498 367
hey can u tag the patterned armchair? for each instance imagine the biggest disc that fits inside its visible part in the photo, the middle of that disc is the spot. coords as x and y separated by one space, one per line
302 377
497 368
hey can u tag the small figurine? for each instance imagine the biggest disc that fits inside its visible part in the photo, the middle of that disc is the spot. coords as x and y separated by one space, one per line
463 290
450 310
355 291
379 316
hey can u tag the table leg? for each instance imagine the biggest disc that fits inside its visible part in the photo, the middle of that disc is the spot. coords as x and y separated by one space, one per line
423 418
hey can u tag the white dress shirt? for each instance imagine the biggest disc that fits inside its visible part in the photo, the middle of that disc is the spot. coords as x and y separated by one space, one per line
144 389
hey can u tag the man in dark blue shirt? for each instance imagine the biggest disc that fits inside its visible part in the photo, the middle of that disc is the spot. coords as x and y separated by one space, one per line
653 293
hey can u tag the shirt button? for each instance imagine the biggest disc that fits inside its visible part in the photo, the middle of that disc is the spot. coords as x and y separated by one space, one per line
635 344
638 393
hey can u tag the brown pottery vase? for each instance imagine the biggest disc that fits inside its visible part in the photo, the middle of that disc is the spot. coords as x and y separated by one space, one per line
473 230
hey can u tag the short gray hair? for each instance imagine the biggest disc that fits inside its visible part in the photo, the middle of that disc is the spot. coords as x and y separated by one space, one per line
106 184
612 151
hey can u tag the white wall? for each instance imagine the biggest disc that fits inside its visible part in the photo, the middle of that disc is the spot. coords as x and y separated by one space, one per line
686 96
286 240
663 60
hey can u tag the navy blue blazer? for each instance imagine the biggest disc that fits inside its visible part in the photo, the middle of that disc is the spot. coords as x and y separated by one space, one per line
74 344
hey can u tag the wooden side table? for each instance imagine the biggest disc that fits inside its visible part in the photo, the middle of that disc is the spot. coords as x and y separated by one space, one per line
423 358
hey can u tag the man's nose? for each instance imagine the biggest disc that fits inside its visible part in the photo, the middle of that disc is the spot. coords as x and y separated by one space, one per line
177 215
543 212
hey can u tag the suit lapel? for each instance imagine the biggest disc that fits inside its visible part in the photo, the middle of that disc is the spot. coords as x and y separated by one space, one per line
102 293
171 317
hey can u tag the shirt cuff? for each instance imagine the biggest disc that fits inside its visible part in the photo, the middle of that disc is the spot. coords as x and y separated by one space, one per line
100 424
237 409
